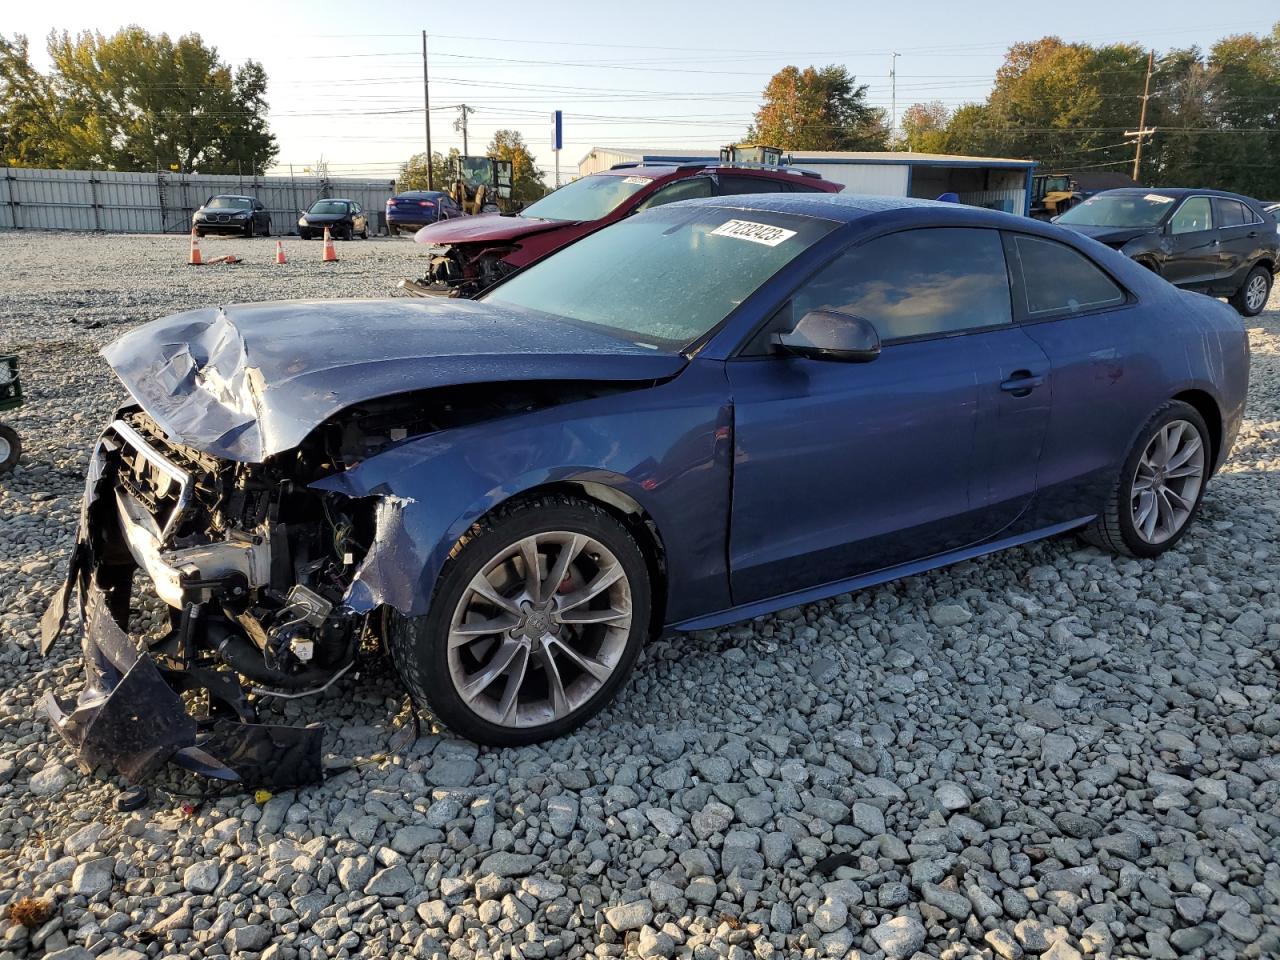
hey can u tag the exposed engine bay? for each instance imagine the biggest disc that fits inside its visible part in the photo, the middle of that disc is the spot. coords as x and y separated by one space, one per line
460 270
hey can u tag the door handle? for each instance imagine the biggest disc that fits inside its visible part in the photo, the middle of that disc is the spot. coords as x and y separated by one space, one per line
1022 383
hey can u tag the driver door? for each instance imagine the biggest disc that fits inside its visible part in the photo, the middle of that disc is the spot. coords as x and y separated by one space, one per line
1193 243
842 469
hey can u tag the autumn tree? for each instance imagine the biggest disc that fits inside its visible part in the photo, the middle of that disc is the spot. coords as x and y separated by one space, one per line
134 101
413 172
924 127
526 182
818 109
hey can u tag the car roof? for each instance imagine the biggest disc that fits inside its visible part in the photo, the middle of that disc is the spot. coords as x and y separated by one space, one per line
841 207
420 193
340 199
231 196
657 170
1177 193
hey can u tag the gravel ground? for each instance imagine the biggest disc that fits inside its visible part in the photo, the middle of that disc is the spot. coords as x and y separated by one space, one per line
1049 752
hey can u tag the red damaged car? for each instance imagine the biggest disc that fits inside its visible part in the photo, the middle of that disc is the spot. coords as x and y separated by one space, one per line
471 254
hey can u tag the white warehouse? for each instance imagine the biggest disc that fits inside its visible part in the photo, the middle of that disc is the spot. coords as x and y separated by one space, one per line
994 182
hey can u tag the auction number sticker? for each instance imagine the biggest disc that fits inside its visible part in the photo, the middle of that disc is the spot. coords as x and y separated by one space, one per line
765 233
639 180
1158 198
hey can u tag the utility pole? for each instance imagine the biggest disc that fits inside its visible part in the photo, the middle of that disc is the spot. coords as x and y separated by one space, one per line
426 111
893 94
1142 130
461 124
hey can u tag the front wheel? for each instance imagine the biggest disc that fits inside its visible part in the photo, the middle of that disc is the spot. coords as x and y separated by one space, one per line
10 448
536 622
1160 485
1251 298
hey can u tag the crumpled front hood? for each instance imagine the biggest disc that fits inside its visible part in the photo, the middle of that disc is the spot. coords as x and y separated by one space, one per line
251 380
485 228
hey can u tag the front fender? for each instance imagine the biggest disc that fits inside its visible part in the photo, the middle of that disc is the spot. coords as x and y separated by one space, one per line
666 447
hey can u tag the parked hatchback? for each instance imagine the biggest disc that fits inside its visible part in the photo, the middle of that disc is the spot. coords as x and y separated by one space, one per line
414 209
1217 243
344 218
471 254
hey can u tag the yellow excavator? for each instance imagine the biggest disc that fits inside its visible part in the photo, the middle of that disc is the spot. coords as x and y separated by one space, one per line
479 184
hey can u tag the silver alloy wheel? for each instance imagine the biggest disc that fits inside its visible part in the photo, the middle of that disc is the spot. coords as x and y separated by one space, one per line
5 448
540 629
1255 294
1167 481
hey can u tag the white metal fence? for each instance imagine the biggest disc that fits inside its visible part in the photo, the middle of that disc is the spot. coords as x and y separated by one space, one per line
163 202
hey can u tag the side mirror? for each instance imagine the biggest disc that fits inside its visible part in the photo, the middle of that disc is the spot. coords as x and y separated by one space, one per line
831 335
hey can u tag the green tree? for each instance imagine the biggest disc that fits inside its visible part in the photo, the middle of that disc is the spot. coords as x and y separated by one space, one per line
136 101
413 172
30 115
527 184
924 128
818 109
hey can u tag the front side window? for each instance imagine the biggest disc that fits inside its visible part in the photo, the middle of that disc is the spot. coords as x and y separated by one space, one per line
1056 279
689 189
1193 216
663 278
917 283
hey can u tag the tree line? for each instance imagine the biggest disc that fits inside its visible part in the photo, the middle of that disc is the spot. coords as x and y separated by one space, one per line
1068 106
132 101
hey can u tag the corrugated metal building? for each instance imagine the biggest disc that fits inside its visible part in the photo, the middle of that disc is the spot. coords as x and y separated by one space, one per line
117 202
996 182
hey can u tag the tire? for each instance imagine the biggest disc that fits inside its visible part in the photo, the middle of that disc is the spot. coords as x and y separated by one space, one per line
420 646
1251 299
393 230
364 233
10 448
266 231
1149 264
200 234
1116 526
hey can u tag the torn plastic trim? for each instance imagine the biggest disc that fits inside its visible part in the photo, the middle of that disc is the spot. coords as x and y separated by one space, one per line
129 716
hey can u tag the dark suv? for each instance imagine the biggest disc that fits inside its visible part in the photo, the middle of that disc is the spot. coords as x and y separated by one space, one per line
1218 243
472 253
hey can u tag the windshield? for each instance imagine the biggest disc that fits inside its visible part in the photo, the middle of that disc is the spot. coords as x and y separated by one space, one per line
666 277
229 203
587 199
328 206
1119 210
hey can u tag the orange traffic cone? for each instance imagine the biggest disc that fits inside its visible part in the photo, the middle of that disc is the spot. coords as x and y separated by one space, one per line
194 260
330 254
279 251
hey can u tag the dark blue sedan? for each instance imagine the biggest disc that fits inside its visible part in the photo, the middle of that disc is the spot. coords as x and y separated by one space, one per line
414 209
707 412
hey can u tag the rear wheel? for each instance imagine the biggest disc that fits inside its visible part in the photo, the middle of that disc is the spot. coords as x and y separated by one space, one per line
1160 485
393 230
1251 298
248 228
536 622
10 448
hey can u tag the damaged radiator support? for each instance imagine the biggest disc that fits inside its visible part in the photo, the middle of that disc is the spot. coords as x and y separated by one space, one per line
253 568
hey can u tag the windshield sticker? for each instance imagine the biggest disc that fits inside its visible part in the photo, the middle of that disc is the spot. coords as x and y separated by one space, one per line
640 180
1157 198
764 233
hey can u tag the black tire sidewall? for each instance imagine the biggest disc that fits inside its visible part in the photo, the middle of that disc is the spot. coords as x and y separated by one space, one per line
424 640
15 448
1174 410
1240 300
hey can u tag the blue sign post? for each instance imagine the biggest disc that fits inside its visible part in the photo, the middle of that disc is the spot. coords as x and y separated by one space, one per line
557 139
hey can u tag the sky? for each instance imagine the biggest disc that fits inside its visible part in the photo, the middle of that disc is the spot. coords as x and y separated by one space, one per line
345 80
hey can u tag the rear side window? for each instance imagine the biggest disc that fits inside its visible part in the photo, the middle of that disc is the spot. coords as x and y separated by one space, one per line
917 283
1192 216
1057 280
1232 213
730 184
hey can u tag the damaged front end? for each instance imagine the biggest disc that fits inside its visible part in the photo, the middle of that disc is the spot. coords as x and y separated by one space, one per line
252 565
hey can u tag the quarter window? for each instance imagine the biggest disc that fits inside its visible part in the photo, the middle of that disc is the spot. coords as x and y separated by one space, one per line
917 283
1056 279
1192 216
